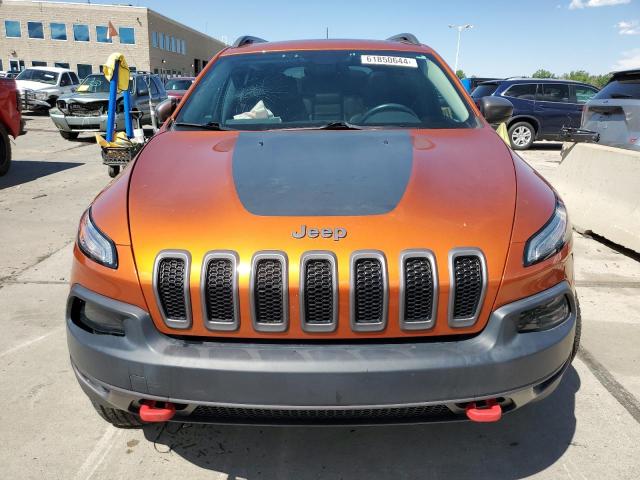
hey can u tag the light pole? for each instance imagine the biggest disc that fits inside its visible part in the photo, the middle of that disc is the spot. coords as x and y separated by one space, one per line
460 29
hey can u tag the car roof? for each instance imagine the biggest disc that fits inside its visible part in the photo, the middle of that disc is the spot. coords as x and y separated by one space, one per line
332 44
625 73
532 80
50 69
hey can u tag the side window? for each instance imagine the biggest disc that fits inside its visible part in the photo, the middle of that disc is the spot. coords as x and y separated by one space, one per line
154 87
159 86
525 91
65 80
74 78
554 92
141 87
584 94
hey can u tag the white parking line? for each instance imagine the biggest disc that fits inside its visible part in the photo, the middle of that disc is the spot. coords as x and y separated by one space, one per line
98 454
29 342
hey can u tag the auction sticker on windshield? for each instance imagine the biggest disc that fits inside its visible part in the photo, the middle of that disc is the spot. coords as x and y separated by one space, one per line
391 61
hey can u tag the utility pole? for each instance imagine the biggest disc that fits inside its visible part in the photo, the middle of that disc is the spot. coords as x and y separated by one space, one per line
327 33
460 29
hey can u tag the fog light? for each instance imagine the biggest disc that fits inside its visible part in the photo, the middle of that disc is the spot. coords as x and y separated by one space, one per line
95 319
545 316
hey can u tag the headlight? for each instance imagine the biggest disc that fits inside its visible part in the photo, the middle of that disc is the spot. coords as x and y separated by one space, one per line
550 239
41 95
95 244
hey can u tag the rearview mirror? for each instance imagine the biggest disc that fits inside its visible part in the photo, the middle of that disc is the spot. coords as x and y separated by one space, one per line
495 110
165 109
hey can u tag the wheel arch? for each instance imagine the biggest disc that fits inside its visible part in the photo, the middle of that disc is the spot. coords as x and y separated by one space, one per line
525 118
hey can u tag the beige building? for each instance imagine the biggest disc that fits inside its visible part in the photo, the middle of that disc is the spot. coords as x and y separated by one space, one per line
76 36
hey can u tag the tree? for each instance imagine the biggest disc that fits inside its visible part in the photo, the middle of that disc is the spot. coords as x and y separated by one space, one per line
578 76
460 74
542 73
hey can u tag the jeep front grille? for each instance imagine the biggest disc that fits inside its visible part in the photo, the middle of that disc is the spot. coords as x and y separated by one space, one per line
418 290
269 292
171 282
318 292
468 275
220 290
369 291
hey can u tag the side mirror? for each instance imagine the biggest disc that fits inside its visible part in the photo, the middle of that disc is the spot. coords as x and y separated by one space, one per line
165 109
495 110
143 92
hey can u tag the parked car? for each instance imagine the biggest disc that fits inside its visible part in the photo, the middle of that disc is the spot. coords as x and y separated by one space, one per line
614 113
178 86
11 122
85 110
324 231
40 87
541 107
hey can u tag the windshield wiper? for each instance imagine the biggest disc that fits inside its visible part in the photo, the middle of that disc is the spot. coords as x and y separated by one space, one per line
214 126
339 125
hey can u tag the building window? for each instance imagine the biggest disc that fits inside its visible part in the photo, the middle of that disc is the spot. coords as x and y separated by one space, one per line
161 41
102 34
61 65
35 29
12 29
133 69
155 70
80 32
154 39
84 69
38 63
58 31
127 35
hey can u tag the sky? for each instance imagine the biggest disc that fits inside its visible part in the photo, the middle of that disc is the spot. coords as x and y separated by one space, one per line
508 38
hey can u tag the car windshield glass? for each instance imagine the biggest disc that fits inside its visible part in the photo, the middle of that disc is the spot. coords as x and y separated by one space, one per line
484 90
178 84
94 84
42 76
621 89
312 89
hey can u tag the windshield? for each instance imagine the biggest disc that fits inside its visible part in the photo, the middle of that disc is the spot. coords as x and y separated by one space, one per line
484 90
621 89
310 89
42 76
94 84
179 84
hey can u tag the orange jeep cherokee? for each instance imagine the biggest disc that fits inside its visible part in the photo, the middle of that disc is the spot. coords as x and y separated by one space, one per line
323 232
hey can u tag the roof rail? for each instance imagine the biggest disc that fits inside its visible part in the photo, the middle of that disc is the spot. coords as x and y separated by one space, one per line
247 40
405 38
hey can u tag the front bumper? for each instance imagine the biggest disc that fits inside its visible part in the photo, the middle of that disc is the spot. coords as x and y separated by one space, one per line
72 123
228 377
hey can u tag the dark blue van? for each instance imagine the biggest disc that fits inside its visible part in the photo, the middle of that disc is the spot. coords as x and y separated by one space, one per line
541 107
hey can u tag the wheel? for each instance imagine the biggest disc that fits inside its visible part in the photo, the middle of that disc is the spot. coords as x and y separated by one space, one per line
117 418
521 135
576 340
69 135
5 151
114 171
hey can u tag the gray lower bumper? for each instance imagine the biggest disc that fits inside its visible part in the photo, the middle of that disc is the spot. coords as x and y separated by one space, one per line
499 362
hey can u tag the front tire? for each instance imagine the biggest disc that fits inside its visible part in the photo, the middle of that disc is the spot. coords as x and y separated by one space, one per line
69 135
5 151
521 135
117 418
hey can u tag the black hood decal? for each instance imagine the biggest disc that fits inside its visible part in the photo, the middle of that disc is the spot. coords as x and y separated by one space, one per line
313 173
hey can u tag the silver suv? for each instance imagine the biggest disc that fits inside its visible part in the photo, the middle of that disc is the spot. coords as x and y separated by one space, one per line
614 112
85 110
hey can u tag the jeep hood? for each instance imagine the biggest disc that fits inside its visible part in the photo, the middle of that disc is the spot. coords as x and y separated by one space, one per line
391 190
86 97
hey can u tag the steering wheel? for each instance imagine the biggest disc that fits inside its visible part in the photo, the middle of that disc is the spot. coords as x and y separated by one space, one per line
387 107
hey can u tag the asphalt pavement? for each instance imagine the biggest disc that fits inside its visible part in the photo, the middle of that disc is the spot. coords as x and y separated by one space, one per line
588 429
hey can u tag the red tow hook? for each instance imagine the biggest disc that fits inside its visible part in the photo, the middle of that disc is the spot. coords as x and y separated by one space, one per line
151 413
490 412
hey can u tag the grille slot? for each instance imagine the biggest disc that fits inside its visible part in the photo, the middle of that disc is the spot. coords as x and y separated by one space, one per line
415 414
318 292
418 290
220 290
269 292
468 286
369 291
171 284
